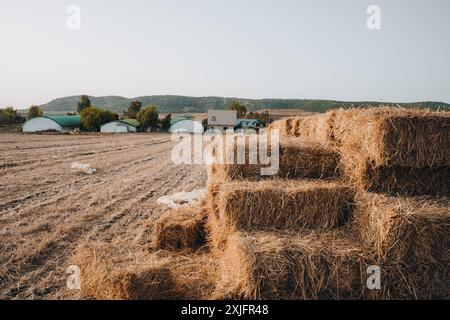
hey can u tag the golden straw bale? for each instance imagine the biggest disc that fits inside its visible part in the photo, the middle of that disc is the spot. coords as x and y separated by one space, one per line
109 272
410 230
297 159
396 179
180 229
281 204
395 136
284 126
276 204
318 128
195 274
387 136
286 265
411 239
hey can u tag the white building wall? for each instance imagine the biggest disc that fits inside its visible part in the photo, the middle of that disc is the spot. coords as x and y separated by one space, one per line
117 127
187 126
42 124
227 118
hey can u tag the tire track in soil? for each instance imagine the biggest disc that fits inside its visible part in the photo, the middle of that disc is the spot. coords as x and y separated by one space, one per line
43 274
13 204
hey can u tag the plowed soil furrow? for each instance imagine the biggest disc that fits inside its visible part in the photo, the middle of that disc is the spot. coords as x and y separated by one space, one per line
46 210
19 184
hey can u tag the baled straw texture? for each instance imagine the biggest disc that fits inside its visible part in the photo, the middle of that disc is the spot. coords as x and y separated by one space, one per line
282 204
411 239
413 230
318 128
386 136
276 204
109 273
297 159
395 136
395 179
180 229
393 150
195 275
285 126
263 265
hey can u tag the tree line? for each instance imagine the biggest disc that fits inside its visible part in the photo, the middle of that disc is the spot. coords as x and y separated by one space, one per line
242 112
92 118
10 116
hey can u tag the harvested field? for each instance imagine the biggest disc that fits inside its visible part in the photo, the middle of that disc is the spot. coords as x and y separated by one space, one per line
312 231
46 210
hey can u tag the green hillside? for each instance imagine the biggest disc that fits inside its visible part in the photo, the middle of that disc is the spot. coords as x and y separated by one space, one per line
202 104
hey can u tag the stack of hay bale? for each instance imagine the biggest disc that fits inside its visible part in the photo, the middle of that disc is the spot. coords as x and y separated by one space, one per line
284 237
398 163
393 150
361 187
355 188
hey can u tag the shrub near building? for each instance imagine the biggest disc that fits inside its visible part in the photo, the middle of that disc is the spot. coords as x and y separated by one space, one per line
93 118
148 118
9 116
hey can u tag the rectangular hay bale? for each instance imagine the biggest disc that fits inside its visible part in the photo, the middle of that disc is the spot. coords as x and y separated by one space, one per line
395 136
284 204
109 272
410 230
411 239
317 128
114 271
297 159
180 229
284 126
268 265
386 136
395 180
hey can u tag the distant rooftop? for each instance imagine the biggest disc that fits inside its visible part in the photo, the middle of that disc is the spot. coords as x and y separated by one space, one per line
66 121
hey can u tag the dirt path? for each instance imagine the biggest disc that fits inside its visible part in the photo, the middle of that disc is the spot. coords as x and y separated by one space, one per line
46 210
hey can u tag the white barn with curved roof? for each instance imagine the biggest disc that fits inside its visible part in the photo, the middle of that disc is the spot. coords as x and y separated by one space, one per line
52 123
120 126
186 126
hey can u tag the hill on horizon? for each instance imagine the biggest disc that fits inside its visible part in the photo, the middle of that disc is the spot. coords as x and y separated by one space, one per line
185 104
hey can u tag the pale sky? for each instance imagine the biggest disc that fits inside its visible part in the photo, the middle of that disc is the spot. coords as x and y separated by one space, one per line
248 48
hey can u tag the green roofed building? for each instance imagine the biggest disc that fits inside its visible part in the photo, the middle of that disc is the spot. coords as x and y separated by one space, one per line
177 119
121 126
52 123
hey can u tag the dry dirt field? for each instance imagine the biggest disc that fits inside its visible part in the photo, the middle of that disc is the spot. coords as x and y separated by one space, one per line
46 210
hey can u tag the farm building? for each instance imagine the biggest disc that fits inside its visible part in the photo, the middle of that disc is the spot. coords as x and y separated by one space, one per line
120 126
52 123
186 126
222 119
